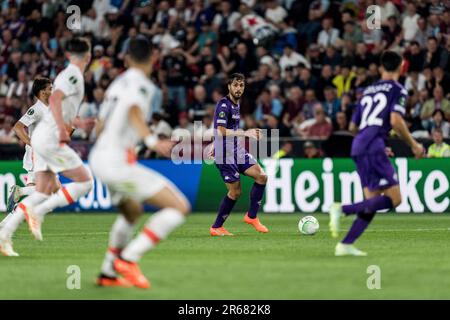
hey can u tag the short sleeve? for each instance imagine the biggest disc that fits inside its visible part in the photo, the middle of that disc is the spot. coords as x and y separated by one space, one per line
141 97
356 116
30 117
399 103
68 83
221 115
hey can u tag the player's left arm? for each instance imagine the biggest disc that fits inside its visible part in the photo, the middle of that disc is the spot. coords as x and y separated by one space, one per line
56 109
400 127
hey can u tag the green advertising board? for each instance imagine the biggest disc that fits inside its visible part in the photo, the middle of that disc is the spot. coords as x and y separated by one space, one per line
305 185
312 185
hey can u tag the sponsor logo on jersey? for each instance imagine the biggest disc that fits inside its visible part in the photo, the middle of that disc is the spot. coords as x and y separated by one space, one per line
73 80
221 114
30 112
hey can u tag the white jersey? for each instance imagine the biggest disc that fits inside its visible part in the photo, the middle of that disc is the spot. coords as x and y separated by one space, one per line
30 119
71 82
132 88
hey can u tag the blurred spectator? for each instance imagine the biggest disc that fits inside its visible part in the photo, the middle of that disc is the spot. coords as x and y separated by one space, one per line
410 24
291 58
439 149
198 107
311 151
331 104
329 36
341 122
7 134
160 127
210 80
438 102
435 55
310 102
345 80
438 122
267 106
322 127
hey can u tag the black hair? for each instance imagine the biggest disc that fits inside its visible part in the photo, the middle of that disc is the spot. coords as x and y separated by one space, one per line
237 77
78 46
139 50
39 84
439 111
390 61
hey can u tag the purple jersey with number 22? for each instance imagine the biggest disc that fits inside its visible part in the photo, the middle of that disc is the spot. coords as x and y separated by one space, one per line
373 118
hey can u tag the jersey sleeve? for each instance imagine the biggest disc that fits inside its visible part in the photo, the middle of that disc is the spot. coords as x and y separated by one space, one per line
30 117
221 115
399 102
356 116
67 83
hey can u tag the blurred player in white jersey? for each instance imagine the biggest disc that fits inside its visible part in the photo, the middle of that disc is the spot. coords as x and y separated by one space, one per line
42 89
49 141
121 126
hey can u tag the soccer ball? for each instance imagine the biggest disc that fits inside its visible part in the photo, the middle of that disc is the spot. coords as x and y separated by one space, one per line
308 225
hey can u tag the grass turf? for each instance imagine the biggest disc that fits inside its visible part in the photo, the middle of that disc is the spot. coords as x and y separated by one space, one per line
411 251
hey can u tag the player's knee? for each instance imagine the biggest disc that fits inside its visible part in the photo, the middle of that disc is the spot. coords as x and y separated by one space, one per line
235 193
396 200
262 178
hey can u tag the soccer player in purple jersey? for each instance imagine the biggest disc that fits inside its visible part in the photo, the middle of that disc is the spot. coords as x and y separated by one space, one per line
380 109
232 159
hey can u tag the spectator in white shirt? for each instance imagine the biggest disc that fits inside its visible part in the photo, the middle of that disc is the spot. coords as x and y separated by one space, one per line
387 9
225 21
275 13
291 58
329 36
410 25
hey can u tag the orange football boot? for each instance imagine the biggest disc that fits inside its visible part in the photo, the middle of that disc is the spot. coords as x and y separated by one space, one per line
131 272
219 232
104 281
256 224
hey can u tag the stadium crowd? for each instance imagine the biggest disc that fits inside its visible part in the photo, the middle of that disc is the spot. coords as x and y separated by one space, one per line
306 61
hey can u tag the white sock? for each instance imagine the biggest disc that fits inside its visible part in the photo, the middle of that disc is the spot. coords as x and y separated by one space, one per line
120 235
68 194
26 191
17 217
157 228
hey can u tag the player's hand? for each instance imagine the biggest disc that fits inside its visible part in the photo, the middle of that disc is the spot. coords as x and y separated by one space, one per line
64 136
254 133
418 150
164 147
210 151
389 152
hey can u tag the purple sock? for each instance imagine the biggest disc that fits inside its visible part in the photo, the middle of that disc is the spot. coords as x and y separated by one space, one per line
368 206
224 211
358 227
256 195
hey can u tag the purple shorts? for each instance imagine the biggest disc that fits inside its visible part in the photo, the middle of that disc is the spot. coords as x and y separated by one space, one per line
375 171
231 172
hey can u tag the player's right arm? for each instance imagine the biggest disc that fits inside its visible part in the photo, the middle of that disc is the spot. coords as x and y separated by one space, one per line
19 129
251 133
137 121
399 126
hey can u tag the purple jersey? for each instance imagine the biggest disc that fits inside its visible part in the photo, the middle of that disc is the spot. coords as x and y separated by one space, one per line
226 115
373 115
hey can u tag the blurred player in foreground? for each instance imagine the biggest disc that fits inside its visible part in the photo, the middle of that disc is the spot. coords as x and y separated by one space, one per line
121 127
232 159
49 141
380 109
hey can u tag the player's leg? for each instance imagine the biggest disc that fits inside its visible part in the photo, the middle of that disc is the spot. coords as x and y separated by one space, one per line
234 191
256 195
16 192
45 185
121 233
174 207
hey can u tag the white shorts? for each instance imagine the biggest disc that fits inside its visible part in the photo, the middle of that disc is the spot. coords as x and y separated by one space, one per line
128 181
49 154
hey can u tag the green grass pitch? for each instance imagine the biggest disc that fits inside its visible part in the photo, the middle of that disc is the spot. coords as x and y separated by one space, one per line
412 252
